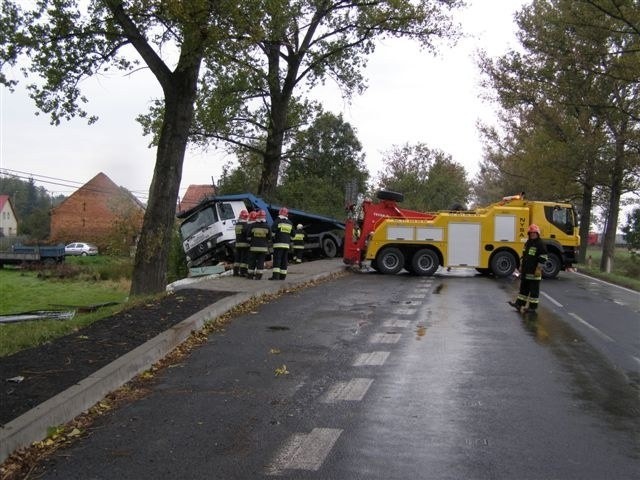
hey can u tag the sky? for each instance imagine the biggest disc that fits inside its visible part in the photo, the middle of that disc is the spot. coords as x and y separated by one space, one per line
412 97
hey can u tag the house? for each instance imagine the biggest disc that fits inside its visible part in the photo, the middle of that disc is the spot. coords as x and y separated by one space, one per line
194 195
99 212
8 220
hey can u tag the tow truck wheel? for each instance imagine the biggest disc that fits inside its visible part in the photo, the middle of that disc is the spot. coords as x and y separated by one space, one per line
551 268
390 260
503 264
425 262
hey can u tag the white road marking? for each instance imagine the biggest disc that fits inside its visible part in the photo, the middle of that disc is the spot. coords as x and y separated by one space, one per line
606 283
352 391
396 323
304 451
371 358
588 325
417 296
552 300
385 338
404 311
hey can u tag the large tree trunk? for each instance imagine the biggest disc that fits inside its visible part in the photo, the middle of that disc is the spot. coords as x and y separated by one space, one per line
280 96
609 241
152 253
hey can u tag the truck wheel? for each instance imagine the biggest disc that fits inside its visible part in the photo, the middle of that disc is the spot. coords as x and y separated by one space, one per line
425 262
503 264
552 266
329 247
390 260
389 195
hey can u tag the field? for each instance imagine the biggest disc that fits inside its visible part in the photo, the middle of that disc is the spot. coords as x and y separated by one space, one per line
80 282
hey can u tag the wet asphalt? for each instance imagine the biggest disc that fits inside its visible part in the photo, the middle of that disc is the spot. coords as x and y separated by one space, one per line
387 377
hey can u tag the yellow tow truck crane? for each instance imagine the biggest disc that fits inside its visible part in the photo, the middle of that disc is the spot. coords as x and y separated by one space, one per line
489 239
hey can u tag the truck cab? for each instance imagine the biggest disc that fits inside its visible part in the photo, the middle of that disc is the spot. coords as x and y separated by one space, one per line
208 230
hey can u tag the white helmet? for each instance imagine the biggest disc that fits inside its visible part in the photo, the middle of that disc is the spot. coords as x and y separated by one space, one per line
299 227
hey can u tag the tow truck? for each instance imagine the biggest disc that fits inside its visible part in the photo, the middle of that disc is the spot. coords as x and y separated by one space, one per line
208 229
489 239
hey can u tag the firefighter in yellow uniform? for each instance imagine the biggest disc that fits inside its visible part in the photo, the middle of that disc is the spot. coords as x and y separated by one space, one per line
534 256
258 236
298 243
241 250
281 231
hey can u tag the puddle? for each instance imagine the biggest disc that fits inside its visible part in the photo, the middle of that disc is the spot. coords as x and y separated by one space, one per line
275 328
438 289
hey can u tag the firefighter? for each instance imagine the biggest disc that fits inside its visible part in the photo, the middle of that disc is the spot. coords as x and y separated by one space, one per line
281 231
298 243
534 256
258 236
241 250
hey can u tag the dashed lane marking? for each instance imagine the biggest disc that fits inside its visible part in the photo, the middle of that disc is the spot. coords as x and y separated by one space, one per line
396 323
385 338
352 391
417 296
588 325
552 300
371 358
404 311
304 451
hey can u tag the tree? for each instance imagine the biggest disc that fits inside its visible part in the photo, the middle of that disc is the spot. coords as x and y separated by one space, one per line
429 179
632 230
61 42
32 205
574 84
285 46
326 155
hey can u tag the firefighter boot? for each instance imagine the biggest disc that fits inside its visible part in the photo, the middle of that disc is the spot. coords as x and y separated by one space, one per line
236 271
258 276
251 275
516 305
283 276
275 276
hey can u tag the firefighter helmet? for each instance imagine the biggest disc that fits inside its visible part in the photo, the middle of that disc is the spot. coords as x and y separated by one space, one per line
533 228
261 214
283 212
253 216
244 215
299 227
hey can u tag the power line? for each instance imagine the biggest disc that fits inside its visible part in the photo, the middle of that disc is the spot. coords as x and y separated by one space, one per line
67 183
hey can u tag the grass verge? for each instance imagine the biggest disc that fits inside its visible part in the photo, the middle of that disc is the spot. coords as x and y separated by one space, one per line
625 272
55 289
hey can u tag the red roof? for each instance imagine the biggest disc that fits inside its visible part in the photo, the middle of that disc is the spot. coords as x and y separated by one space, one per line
194 194
3 200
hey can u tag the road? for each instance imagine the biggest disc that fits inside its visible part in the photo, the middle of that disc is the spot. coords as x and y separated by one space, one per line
391 377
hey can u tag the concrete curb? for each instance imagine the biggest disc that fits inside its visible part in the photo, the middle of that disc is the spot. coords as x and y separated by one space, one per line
32 426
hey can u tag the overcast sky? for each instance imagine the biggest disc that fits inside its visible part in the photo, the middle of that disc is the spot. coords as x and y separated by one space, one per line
412 97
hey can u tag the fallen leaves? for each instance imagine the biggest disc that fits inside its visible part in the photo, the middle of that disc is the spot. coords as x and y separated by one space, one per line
282 371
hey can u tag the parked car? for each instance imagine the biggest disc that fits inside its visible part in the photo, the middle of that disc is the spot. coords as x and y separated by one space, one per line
80 248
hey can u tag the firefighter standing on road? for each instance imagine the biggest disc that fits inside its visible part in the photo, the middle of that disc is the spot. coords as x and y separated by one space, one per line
298 244
281 230
258 236
534 256
241 250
